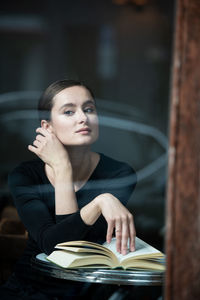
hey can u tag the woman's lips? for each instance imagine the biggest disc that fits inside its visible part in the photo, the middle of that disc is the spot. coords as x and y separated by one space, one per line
84 130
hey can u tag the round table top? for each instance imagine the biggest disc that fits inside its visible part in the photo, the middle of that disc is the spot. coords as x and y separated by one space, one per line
101 275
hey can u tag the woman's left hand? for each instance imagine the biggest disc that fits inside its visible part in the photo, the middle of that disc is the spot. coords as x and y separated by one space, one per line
119 219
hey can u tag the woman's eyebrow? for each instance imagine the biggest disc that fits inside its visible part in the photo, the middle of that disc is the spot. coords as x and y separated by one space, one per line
89 102
67 105
74 105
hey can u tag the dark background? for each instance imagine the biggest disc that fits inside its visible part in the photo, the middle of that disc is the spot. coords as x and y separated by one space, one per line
122 50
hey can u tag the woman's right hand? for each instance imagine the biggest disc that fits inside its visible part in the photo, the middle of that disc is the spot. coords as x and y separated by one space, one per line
119 218
47 147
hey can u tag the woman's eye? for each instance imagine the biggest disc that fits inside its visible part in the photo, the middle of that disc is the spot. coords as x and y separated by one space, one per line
68 112
89 110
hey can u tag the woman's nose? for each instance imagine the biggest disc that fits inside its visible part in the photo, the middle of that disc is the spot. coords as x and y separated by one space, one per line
82 117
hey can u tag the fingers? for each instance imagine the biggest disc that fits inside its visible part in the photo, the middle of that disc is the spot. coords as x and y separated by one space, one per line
132 234
35 147
36 143
110 231
39 137
38 140
118 234
125 236
119 218
42 131
32 149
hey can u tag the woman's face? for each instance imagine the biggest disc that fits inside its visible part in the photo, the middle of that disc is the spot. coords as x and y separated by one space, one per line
74 118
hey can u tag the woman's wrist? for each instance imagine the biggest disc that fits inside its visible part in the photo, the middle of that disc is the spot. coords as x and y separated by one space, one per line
91 212
62 169
99 200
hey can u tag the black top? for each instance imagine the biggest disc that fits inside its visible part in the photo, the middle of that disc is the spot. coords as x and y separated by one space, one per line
34 198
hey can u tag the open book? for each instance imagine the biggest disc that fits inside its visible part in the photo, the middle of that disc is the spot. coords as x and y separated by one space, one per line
83 254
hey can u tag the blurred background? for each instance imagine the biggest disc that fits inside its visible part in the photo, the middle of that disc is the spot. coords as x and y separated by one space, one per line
122 50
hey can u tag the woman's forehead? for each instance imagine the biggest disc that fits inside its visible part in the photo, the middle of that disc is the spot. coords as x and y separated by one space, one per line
74 95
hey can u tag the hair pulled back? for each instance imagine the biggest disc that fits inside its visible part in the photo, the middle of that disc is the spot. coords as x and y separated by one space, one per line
45 103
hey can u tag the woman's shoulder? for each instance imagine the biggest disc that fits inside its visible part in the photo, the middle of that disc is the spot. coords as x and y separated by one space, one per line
28 165
27 169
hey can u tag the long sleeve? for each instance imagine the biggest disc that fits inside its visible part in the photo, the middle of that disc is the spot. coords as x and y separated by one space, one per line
41 223
34 199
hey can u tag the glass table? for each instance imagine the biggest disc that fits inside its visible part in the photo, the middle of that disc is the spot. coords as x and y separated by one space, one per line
101 275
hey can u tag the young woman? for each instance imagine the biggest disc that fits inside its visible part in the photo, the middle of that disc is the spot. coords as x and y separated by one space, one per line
69 192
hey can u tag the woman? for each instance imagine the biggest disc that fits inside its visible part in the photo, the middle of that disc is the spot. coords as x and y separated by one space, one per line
70 192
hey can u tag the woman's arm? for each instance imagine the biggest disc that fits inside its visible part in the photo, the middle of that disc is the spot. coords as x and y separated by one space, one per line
65 198
70 225
51 151
117 217
34 202
31 199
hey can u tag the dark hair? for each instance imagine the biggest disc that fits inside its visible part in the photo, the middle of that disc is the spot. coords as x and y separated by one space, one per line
45 103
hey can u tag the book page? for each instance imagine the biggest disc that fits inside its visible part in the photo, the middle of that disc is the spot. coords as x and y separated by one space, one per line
67 259
87 247
142 249
84 246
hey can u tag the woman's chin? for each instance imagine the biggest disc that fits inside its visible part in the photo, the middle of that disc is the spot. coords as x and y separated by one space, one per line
85 141
78 144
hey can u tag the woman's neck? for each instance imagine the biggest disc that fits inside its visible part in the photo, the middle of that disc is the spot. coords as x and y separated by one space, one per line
83 162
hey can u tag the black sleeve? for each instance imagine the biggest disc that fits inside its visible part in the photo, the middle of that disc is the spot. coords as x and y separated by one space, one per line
122 184
46 229
36 217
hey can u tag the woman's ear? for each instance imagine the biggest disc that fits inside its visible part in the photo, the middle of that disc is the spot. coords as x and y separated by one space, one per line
46 125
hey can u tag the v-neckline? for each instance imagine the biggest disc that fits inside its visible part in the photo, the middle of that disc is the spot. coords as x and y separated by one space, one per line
83 186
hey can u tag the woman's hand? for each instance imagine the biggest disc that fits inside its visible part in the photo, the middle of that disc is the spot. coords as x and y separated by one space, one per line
119 218
47 146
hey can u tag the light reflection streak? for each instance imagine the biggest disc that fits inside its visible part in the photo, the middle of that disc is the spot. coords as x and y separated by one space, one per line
116 123
19 96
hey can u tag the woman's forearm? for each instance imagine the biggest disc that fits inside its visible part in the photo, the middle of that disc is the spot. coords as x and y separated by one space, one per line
65 197
90 212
